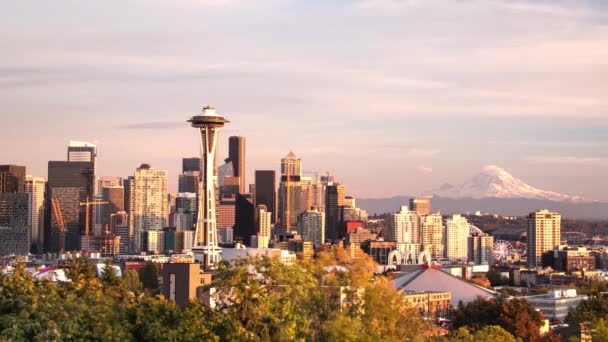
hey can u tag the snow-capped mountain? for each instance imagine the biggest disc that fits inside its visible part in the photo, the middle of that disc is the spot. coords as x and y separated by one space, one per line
495 182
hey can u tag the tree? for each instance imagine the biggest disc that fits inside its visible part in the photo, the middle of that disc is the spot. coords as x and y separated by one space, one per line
149 277
496 278
600 331
490 333
131 281
81 269
109 276
514 315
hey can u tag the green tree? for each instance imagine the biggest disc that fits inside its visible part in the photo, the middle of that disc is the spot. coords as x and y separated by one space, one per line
131 281
81 269
149 277
109 276
600 331
496 278
490 333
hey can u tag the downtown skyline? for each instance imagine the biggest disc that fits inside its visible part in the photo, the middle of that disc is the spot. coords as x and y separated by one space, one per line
441 111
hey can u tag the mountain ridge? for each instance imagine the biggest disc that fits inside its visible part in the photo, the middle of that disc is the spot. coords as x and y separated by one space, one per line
495 182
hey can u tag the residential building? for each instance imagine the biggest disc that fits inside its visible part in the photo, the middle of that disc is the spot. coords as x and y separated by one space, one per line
311 226
403 227
149 206
431 229
481 249
544 234
456 241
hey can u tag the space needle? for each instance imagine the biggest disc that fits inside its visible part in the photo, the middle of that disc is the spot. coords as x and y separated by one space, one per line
205 236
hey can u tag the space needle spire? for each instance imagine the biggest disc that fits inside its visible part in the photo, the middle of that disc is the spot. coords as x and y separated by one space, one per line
205 238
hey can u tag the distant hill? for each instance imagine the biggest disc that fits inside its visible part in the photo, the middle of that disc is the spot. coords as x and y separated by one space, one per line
501 206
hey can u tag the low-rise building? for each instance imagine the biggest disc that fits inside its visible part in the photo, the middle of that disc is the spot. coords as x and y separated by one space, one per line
431 304
556 304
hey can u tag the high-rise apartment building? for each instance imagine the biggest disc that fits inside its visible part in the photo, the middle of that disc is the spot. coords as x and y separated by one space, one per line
14 227
544 234
226 213
334 199
35 187
290 192
421 205
149 206
236 154
264 221
403 227
456 241
481 248
69 184
12 178
266 191
311 226
431 229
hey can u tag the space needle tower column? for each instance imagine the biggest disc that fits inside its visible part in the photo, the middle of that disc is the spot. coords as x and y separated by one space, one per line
205 236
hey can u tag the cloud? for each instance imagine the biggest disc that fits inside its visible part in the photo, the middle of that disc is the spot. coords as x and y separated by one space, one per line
424 168
153 125
423 152
564 160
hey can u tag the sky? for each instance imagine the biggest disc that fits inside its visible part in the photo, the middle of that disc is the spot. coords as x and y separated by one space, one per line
392 97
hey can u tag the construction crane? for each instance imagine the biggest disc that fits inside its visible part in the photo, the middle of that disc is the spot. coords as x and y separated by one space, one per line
60 223
87 204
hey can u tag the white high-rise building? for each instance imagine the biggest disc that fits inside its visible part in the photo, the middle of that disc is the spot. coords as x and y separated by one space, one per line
264 221
456 241
206 246
148 200
311 226
431 231
403 227
35 187
544 233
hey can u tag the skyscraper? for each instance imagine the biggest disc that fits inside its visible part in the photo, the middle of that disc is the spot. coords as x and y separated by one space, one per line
421 205
188 182
266 191
334 199
81 151
186 203
69 184
456 241
236 154
12 178
431 229
14 217
35 187
544 234
115 196
191 164
290 192
148 200
244 219
311 225
208 125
